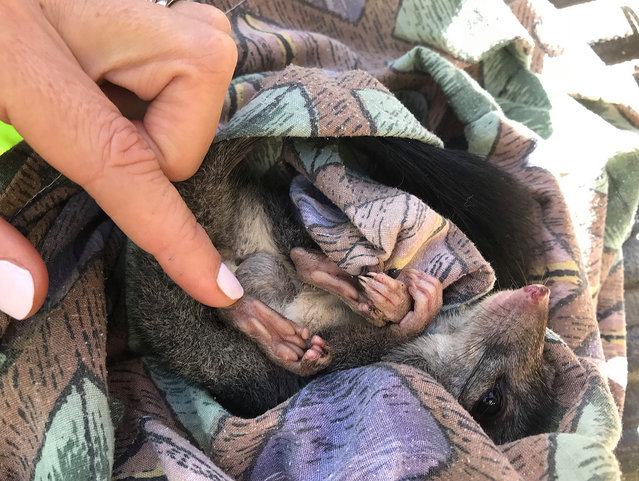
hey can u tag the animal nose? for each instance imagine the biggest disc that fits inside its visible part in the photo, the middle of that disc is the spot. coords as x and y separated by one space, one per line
537 292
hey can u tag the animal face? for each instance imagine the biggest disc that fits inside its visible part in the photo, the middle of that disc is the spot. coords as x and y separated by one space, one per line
491 358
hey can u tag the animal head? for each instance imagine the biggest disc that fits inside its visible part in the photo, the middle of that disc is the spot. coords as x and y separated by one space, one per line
490 356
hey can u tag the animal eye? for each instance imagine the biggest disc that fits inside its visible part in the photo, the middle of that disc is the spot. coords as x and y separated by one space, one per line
490 403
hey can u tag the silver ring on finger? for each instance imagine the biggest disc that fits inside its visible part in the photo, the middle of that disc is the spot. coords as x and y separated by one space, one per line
165 3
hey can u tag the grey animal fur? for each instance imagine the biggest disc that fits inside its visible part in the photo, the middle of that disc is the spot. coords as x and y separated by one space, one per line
469 351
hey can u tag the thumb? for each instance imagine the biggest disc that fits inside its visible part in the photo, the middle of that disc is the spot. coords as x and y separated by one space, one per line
23 275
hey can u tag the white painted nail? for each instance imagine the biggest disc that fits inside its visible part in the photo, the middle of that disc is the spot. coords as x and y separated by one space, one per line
228 283
16 290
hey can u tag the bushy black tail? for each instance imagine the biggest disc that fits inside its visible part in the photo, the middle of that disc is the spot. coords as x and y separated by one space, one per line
490 206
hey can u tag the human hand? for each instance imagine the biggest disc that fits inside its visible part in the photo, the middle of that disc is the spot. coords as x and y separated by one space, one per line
124 149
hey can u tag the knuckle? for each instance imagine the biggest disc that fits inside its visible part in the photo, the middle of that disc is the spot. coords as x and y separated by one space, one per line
219 49
207 52
218 19
120 147
123 145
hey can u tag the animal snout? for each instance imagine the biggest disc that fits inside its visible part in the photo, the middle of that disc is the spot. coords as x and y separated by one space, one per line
537 292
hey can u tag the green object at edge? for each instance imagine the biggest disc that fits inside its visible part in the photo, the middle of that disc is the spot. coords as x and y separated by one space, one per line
8 137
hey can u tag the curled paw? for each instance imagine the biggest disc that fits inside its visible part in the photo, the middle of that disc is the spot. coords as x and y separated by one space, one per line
386 299
427 294
316 358
283 341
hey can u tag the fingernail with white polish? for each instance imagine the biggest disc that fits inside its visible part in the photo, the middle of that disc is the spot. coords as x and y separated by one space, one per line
16 290
228 283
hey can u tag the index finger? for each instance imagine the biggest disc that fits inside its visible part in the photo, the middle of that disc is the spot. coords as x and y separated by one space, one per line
146 206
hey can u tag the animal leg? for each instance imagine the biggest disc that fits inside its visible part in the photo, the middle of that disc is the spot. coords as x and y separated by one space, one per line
359 344
316 269
375 296
282 341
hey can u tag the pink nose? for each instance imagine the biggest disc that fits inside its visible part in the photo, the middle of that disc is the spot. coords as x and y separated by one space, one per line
537 291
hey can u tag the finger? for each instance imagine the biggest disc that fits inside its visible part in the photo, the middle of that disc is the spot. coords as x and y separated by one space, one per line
131 187
23 275
92 144
182 66
215 17
302 332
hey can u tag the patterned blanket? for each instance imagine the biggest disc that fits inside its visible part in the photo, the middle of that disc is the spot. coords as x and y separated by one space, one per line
80 402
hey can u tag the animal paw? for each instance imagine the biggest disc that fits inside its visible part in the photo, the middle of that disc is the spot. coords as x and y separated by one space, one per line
377 297
427 294
387 299
408 303
316 358
316 269
282 340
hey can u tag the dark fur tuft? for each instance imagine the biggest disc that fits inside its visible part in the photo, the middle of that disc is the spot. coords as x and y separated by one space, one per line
489 205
